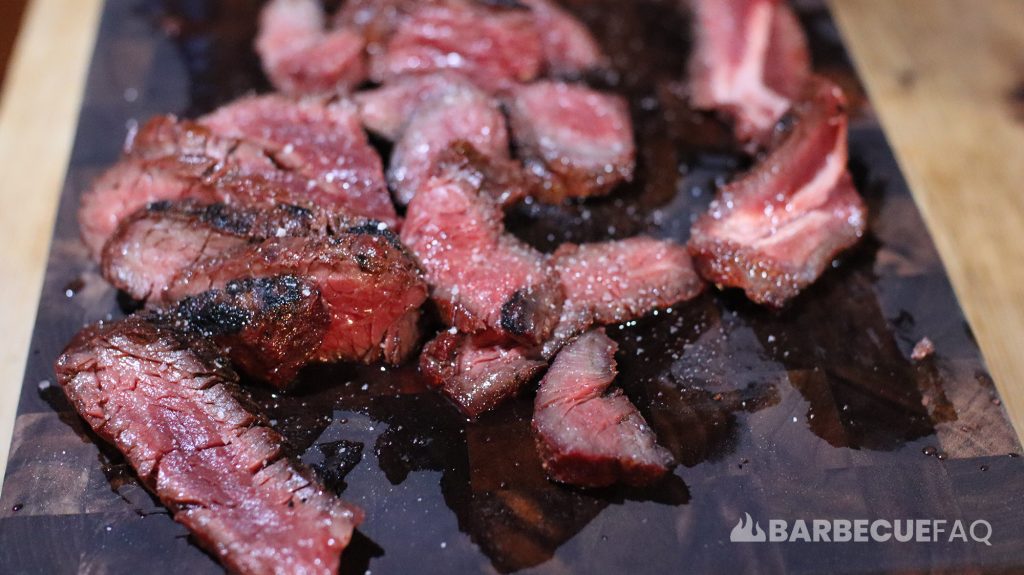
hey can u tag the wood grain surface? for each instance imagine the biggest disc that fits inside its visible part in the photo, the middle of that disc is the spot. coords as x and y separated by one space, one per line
946 78
38 116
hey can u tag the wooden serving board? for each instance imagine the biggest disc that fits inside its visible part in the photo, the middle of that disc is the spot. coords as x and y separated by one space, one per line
813 413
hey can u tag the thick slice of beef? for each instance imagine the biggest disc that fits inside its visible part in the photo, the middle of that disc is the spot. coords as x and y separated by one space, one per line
585 436
579 141
616 281
494 46
749 61
477 373
171 160
171 406
483 278
776 228
300 56
460 113
270 327
371 287
153 245
319 140
386 110
570 50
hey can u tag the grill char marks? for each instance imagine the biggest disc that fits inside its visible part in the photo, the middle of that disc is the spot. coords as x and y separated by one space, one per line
750 60
577 140
171 159
152 246
484 279
775 229
477 373
321 141
271 327
167 402
587 437
300 56
372 289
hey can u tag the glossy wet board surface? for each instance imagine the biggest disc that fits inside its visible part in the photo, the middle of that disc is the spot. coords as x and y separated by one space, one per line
816 412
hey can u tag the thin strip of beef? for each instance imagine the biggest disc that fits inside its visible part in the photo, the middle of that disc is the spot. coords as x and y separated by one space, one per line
170 405
496 47
577 140
585 436
459 113
616 281
570 50
371 287
775 229
386 110
477 373
321 141
483 278
269 327
153 245
172 160
300 56
749 61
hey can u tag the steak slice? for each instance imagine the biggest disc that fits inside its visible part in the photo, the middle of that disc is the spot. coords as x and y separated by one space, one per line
579 141
152 246
570 50
172 160
459 113
370 285
300 56
477 373
775 229
483 278
169 404
321 141
386 110
496 47
749 61
587 437
270 327
621 280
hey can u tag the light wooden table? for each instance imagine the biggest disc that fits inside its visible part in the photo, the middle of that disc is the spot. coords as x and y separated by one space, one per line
941 74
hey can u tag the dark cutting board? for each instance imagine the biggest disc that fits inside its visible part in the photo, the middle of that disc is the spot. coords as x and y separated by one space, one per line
813 413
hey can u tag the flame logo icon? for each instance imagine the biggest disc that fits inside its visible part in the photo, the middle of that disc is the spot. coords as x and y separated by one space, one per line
747 531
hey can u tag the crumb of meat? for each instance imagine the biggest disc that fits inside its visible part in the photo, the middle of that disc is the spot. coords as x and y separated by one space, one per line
922 350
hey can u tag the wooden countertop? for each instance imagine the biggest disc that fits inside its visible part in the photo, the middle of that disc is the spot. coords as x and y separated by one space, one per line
946 76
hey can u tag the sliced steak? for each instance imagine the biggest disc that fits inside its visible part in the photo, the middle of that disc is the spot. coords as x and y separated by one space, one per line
369 283
477 373
749 61
494 46
173 160
300 56
616 281
461 113
483 278
386 110
321 141
587 437
579 141
570 50
153 245
775 229
170 405
270 327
